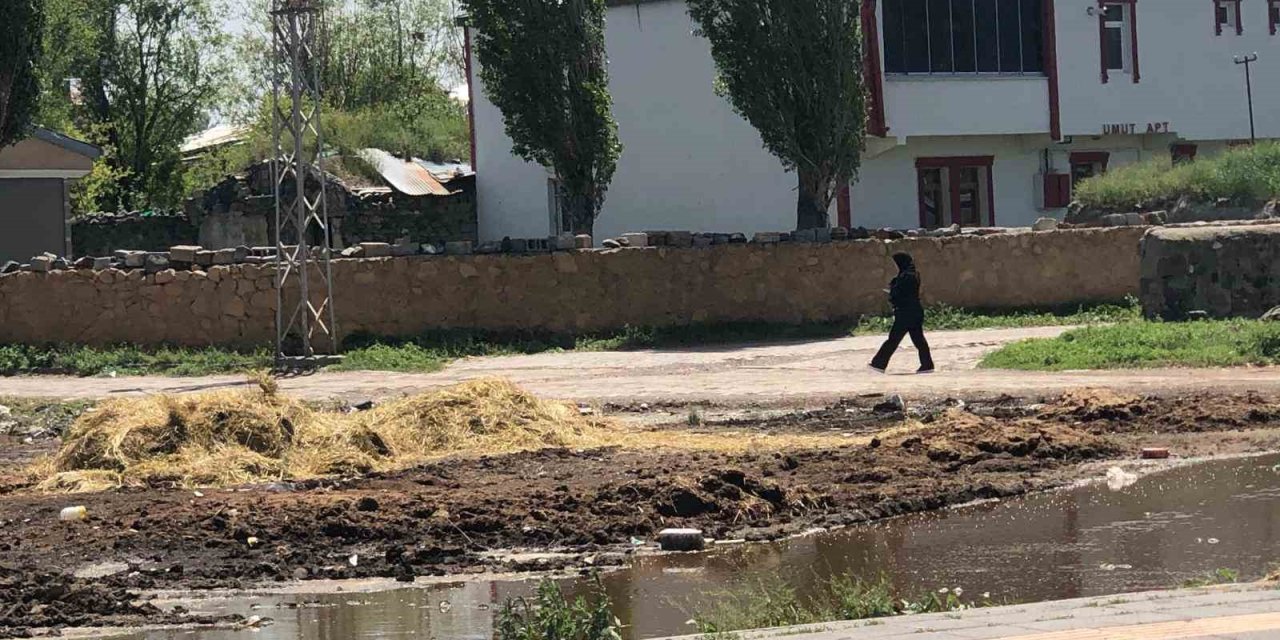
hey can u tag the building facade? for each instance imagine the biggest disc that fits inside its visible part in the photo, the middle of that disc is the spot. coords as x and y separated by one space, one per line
35 203
980 112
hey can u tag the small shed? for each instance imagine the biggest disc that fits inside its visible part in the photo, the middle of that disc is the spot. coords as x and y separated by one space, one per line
35 204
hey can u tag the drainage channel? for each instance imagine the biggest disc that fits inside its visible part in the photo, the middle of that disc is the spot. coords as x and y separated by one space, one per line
1130 534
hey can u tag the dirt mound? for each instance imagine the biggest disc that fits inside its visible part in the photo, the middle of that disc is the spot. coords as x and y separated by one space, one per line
31 600
238 437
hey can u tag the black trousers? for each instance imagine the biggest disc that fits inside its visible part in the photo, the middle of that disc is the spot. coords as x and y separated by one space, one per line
902 327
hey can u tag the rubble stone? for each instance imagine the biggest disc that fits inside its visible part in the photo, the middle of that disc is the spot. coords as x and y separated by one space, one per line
458 248
1045 224
184 253
635 239
375 249
583 241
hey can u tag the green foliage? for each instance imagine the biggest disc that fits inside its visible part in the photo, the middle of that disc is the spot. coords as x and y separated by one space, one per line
549 616
127 360
794 71
1141 344
1243 175
772 602
1220 575
21 22
543 65
948 318
147 76
429 126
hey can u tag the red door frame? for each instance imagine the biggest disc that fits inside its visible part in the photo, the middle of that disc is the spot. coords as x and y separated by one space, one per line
1133 37
1091 157
1217 27
953 164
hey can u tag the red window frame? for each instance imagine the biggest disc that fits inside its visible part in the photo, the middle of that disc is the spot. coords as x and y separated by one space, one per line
1183 152
1217 26
1133 37
1273 15
953 164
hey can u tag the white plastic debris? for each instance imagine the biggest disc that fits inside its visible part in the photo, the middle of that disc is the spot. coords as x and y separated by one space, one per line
252 541
1118 479
74 514
354 560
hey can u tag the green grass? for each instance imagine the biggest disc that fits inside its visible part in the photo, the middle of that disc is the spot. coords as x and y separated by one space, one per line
1217 576
1245 174
1141 344
773 602
431 351
548 615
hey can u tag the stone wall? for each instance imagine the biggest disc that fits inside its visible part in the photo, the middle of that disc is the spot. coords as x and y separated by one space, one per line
576 290
1224 271
101 234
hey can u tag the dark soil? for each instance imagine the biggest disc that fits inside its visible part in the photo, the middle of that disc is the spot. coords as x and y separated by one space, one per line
448 517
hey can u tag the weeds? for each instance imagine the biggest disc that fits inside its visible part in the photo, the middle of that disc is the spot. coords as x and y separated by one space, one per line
1217 576
1140 344
1246 174
774 603
550 616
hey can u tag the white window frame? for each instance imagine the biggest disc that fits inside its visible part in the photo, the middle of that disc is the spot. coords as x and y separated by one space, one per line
1126 42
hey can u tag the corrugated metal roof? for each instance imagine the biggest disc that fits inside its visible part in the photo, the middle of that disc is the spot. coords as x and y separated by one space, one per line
446 171
409 178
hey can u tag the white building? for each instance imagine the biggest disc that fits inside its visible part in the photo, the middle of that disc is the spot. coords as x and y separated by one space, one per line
981 112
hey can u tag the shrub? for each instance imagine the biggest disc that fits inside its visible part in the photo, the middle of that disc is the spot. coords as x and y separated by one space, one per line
549 616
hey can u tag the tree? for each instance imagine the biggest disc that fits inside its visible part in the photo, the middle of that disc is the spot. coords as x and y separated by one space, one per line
138 77
793 69
543 65
21 23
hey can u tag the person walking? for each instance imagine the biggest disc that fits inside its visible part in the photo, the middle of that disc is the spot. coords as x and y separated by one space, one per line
908 316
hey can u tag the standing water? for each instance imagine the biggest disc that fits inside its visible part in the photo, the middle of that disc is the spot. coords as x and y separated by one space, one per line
1156 533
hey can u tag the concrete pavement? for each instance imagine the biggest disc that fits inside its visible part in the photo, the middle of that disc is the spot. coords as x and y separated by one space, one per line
1236 612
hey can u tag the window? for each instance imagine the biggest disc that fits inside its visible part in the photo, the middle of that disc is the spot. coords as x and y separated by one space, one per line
955 190
1183 153
1227 17
1273 7
963 36
1087 164
1118 35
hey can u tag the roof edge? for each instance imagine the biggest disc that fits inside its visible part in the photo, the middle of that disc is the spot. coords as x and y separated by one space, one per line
91 151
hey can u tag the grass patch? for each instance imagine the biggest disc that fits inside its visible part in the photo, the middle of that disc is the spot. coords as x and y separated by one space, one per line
774 603
1217 576
548 615
1140 344
1245 174
433 350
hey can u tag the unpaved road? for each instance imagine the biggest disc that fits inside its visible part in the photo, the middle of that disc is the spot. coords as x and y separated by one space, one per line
794 373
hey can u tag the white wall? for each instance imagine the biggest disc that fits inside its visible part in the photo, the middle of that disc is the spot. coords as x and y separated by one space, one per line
1187 75
941 105
689 162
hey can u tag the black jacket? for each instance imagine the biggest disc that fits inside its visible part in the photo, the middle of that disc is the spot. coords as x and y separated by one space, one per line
904 290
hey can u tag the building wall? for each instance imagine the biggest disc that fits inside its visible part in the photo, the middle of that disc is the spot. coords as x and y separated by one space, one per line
32 218
1188 78
689 161
574 291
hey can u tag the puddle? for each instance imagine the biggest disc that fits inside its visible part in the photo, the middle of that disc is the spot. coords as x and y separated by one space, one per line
1152 534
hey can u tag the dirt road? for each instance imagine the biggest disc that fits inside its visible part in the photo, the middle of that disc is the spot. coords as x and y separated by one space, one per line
795 373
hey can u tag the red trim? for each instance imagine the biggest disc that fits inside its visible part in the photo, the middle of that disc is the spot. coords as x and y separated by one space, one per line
1102 40
954 161
1133 38
1273 15
953 164
471 94
1186 150
1217 26
876 121
1091 157
1051 69
844 209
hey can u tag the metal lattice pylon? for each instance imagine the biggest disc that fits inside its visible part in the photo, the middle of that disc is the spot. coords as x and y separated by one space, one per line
305 328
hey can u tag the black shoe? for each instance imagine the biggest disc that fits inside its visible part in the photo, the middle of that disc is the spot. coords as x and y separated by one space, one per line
926 370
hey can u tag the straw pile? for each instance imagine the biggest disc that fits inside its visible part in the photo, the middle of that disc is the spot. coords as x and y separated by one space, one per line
236 437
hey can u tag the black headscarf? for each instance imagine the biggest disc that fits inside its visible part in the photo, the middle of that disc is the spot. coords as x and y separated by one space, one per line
904 262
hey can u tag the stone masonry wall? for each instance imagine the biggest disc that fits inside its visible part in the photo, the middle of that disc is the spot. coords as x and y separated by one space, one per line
1224 271
579 290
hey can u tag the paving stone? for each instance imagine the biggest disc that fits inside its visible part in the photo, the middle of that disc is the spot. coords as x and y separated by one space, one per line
583 241
376 249
635 239
224 256
184 253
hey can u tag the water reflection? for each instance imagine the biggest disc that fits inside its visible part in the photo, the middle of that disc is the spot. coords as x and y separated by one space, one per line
1164 529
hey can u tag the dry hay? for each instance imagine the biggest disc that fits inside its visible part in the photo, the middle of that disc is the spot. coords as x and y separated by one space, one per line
236 437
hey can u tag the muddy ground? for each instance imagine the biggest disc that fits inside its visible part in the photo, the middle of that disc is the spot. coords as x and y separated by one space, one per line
457 516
